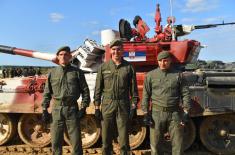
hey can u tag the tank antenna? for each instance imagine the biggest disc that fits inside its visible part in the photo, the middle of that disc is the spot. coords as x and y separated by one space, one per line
172 26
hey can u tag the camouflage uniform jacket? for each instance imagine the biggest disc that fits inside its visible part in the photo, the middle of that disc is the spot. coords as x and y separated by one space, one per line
165 89
66 84
116 82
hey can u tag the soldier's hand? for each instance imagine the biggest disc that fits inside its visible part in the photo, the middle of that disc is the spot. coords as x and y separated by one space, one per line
148 120
98 114
45 116
185 118
133 112
82 113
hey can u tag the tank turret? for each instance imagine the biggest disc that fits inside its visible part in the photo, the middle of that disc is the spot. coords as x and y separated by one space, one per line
169 32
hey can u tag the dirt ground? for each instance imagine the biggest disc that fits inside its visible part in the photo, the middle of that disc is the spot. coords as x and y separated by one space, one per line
25 150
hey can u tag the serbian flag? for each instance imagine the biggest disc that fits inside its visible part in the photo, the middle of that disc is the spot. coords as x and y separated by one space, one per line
134 56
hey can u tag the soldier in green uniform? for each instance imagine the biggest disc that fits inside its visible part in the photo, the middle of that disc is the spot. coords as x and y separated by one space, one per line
65 84
116 89
165 87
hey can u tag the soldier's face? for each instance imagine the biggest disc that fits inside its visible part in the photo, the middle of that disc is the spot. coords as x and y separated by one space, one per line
164 64
116 52
63 58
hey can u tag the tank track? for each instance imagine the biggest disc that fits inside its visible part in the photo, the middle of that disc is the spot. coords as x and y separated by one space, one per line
27 150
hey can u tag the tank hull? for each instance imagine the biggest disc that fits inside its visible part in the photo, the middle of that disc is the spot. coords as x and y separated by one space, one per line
21 99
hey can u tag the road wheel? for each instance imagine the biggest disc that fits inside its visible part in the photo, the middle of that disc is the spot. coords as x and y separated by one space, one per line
90 132
137 133
32 131
7 128
217 134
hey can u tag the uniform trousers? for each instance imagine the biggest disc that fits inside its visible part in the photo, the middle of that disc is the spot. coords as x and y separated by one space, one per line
115 112
62 117
166 122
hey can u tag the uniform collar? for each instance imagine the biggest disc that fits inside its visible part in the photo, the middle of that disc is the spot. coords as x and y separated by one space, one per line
166 71
64 67
111 62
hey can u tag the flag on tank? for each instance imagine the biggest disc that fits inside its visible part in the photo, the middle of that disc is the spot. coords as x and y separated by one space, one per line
134 56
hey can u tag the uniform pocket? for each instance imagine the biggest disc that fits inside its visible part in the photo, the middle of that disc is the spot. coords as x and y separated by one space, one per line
55 83
107 108
108 80
174 87
173 83
156 83
158 87
106 101
72 113
124 107
73 86
176 117
123 76
56 113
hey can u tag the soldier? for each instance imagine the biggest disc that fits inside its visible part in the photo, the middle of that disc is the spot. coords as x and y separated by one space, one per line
18 72
65 84
31 71
25 72
8 72
38 71
12 72
165 87
4 73
115 84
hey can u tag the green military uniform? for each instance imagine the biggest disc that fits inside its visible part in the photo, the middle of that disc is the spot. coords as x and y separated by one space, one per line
114 86
64 86
165 89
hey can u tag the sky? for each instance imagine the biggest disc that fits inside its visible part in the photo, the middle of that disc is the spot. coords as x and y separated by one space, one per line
46 25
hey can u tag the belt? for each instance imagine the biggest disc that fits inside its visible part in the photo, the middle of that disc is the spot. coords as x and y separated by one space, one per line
165 109
115 98
63 103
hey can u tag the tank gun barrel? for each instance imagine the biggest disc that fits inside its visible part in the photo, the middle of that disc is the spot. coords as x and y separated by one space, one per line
88 56
28 53
182 30
212 25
